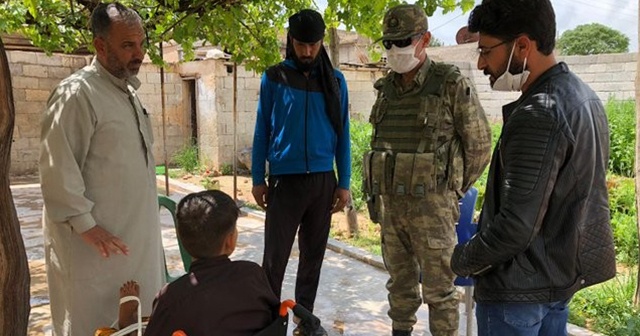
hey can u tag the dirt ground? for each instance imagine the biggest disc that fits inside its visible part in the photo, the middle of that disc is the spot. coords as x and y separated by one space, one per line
339 222
243 185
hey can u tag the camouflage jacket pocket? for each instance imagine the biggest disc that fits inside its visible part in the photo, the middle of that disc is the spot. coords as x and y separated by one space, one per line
422 174
402 174
413 174
376 172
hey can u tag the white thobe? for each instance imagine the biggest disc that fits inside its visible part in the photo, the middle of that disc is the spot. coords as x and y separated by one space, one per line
97 168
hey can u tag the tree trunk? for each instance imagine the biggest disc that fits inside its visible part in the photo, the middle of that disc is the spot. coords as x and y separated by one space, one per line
14 269
334 46
636 297
350 212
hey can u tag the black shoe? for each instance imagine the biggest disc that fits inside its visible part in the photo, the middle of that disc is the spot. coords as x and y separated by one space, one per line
399 332
299 331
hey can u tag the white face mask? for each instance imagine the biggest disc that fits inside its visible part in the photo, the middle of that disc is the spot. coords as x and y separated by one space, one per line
509 81
402 60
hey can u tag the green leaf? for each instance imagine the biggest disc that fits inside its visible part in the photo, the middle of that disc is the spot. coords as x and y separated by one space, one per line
250 30
32 8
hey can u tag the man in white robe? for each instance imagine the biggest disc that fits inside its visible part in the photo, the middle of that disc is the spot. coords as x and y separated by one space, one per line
97 172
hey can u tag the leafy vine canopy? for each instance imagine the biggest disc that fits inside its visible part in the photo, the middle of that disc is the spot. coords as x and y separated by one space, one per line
249 30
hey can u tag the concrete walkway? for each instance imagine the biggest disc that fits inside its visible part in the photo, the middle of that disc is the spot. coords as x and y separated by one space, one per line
352 299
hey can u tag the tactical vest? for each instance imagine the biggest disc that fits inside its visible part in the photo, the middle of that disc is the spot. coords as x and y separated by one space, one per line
410 152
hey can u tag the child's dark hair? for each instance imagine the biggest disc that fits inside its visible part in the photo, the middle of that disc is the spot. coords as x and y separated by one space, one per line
204 221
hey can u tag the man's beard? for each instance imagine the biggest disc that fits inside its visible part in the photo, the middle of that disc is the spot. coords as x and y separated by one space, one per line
306 64
121 70
515 68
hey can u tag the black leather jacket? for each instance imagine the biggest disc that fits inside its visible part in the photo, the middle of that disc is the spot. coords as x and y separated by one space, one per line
545 230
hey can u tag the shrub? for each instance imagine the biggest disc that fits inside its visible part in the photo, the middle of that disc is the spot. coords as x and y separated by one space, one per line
360 144
622 129
607 307
187 158
623 218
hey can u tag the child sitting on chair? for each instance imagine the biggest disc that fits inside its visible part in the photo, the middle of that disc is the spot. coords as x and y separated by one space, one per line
218 296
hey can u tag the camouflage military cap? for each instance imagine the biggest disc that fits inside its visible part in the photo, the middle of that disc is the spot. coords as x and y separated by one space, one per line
403 21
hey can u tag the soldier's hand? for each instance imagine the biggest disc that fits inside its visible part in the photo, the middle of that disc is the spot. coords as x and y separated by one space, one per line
104 241
340 199
260 195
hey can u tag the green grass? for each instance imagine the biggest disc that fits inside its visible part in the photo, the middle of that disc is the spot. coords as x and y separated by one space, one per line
367 238
621 115
176 173
607 308
160 170
622 204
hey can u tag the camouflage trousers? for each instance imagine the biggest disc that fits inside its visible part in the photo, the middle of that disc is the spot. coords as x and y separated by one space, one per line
418 237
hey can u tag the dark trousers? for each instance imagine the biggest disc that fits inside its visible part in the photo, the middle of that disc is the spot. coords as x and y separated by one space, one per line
298 201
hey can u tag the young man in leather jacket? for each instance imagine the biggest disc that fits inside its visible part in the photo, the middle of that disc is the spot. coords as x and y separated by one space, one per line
544 232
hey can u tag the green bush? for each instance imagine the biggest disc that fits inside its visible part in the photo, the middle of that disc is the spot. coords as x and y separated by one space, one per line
607 307
481 183
623 218
187 158
622 128
622 195
360 144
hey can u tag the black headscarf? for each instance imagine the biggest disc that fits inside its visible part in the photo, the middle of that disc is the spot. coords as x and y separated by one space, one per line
308 26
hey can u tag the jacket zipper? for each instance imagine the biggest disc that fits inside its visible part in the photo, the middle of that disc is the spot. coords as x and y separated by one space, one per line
306 133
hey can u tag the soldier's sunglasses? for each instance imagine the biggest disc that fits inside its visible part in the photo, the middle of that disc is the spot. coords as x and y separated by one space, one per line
388 44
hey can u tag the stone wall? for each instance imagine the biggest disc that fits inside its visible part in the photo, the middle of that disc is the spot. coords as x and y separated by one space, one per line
35 75
609 75
215 86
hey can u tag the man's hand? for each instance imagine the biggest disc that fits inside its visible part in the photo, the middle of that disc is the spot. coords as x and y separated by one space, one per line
260 195
104 241
340 199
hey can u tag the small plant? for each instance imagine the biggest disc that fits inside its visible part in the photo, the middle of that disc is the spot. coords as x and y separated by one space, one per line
210 183
187 158
226 169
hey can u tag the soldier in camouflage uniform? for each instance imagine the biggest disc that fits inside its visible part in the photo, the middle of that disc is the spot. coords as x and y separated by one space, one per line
431 141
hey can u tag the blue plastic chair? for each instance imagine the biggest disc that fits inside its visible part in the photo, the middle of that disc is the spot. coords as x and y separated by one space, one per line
465 229
170 205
